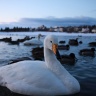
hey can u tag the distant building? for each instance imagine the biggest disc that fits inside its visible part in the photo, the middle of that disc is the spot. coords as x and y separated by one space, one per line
70 29
42 28
51 29
61 29
84 30
94 30
76 29
56 29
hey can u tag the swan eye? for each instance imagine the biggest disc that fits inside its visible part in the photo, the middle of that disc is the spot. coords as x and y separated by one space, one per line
51 41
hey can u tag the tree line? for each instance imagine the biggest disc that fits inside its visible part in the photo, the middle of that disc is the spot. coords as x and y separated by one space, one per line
14 29
44 28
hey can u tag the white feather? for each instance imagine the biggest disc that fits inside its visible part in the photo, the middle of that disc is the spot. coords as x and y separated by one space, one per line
38 77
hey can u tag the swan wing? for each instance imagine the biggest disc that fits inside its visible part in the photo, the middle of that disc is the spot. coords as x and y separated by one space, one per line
33 42
30 77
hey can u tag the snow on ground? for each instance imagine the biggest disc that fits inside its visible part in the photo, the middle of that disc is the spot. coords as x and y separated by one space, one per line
46 33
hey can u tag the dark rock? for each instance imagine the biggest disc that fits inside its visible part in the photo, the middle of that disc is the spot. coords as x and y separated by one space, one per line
38 53
87 52
62 42
80 42
63 47
6 39
92 44
68 59
19 59
73 42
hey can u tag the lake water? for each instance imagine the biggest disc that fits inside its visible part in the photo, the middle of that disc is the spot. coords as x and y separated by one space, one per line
84 69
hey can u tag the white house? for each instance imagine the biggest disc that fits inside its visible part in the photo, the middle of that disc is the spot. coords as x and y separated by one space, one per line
94 30
85 30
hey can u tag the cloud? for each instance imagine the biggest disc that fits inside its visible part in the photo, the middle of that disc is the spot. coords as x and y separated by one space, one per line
35 22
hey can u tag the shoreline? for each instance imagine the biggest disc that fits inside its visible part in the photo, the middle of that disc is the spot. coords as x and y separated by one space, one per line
47 33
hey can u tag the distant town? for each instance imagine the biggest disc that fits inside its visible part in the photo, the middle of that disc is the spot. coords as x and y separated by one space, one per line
68 29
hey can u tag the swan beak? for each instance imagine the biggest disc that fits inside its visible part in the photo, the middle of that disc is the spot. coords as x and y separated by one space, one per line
54 48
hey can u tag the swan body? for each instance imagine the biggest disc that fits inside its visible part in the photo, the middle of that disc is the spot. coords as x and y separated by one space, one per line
33 42
39 77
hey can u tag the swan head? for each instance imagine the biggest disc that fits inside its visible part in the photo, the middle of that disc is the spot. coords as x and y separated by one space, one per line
51 42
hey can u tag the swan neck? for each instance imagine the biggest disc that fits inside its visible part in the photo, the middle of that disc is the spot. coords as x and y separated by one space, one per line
59 71
49 56
52 63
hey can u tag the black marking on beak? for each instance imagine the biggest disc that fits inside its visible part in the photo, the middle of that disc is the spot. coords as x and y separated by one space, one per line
58 55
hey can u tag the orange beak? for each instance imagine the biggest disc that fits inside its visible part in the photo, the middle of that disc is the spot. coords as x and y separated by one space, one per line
54 48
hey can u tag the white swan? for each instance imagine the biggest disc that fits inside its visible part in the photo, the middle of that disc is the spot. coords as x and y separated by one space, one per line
34 41
39 77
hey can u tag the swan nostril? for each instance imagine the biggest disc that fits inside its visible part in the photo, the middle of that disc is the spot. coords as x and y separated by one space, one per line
51 41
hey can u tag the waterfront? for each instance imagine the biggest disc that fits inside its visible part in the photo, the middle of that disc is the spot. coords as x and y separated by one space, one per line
84 69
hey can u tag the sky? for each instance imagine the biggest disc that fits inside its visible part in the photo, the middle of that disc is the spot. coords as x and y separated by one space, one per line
14 10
